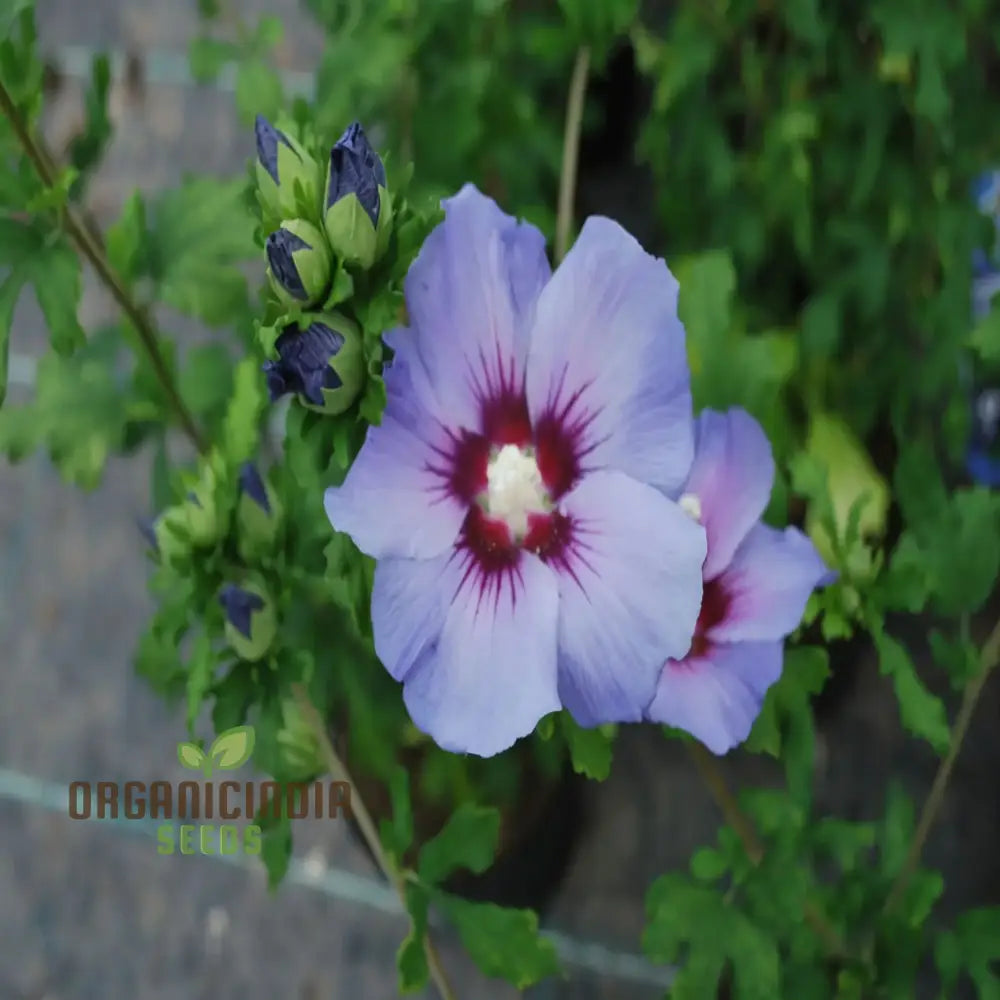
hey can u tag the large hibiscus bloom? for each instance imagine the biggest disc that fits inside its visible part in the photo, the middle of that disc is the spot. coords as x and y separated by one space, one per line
757 582
514 493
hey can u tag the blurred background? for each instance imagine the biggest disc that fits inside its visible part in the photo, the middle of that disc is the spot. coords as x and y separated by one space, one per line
91 910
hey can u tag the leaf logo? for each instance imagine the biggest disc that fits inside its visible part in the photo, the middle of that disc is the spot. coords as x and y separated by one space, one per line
229 751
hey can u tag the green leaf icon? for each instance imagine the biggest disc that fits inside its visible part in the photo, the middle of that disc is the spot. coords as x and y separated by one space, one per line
232 749
191 756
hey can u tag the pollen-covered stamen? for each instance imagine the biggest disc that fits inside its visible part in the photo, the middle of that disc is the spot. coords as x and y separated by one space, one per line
691 505
514 488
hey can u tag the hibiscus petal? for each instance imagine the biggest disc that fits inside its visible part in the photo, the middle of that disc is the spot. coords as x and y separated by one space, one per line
607 353
471 296
732 476
409 605
768 584
491 675
395 500
629 591
717 697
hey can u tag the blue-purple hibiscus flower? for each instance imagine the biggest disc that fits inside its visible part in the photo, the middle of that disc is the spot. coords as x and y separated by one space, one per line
756 584
514 494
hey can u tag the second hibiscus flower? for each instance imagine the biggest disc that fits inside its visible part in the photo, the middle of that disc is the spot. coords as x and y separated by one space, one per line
514 495
757 583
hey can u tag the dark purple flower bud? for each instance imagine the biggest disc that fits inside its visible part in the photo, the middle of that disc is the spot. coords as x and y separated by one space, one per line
253 486
299 262
251 622
355 168
289 179
280 247
303 366
268 137
239 605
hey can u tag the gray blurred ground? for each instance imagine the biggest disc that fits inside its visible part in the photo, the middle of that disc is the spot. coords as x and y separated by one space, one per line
92 913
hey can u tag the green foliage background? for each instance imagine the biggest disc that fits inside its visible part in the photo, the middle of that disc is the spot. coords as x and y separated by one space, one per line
810 166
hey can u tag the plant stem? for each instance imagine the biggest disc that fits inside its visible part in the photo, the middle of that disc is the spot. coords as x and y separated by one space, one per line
571 150
89 245
988 659
743 826
338 769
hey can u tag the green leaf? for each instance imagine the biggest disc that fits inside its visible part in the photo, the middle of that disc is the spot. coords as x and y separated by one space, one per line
965 554
504 943
974 944
708 864
233 748
957 654
125 239
923 890
276 846
78 415
707 284
10 292
397 833
468 840
258 90
821 325
805 671
590 749
546 727
200 667
411 959
197 235
920 490
804 20
88 146
190 756
270 32
694 922
842 840
207 57
241 427
922 713
206 380
985 336
56 276
598 23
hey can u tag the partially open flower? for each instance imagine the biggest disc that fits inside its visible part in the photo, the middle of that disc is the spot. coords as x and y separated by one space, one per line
323 363
298 263
357 207
251 624
757 582
288 178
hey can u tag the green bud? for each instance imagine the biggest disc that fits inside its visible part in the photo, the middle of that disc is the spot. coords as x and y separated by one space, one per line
301 756
251 623
200 511
288 178
298 263
357 207
258 514
168 536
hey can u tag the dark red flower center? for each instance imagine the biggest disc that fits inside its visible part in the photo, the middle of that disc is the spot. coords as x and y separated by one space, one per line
714 608
511 474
